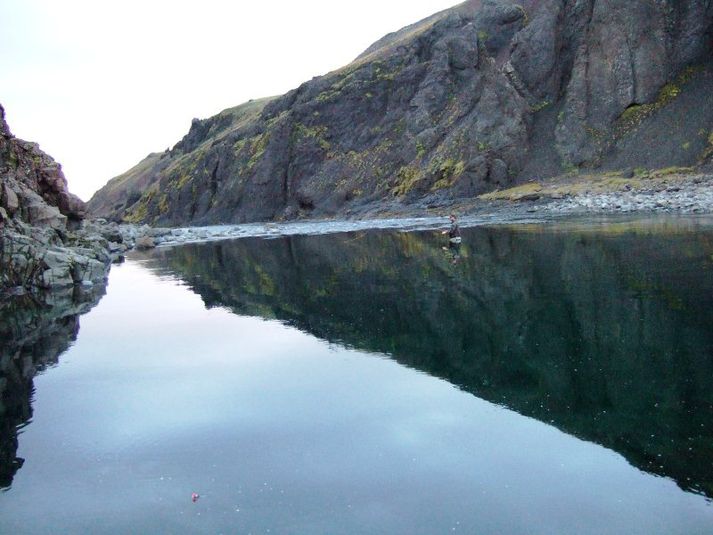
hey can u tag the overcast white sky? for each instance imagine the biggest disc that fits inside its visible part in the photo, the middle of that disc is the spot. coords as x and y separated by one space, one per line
99 85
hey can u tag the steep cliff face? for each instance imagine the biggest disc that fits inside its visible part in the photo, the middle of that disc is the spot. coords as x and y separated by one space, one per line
471 99
43 242
34 188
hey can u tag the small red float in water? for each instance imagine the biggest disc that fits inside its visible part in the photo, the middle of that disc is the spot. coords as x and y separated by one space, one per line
194 497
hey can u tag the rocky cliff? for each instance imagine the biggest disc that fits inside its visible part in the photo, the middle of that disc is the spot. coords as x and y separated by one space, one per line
44 240
477 97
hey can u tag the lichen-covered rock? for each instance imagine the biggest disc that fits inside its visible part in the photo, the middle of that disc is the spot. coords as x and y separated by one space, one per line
474 98
27 171
42 242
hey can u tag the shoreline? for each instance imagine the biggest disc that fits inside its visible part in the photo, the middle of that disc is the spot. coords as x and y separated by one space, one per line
87 255
673 192
165 237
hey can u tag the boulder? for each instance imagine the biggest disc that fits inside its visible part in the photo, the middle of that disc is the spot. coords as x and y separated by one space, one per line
145 242
57 277
41 214
88 270
9 200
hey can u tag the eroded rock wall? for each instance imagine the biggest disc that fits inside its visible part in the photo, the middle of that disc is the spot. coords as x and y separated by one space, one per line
478 97
44 242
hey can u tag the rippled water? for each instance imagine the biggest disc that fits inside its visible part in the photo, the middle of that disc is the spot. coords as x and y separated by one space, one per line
539 379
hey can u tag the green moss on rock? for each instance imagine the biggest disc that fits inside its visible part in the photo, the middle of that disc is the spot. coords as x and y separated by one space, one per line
407 178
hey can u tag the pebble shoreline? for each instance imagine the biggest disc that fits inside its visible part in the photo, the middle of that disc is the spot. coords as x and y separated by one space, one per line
88 253
692 196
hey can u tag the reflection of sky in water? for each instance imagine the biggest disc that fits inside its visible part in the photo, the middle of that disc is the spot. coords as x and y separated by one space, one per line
278 430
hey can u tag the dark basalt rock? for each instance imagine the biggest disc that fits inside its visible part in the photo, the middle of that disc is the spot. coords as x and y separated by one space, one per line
480 96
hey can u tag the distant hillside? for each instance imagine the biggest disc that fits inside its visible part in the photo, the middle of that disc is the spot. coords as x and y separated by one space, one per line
475 98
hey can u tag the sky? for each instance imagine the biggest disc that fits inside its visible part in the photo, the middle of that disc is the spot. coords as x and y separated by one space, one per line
100 85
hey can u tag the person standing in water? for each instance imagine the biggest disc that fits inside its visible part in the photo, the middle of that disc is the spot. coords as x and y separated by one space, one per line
454 231
454 239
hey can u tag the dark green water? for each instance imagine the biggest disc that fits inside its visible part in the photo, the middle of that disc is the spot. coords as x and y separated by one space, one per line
542 379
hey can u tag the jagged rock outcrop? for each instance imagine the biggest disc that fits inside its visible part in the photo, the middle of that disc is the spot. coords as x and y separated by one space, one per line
468 100
44 241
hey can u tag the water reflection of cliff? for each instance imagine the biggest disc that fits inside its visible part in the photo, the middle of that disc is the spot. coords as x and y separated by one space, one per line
34 331
608 336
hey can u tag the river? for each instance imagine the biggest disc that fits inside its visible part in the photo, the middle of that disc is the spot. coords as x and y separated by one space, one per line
540 378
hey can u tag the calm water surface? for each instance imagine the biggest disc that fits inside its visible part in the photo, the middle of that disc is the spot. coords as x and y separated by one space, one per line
541 379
